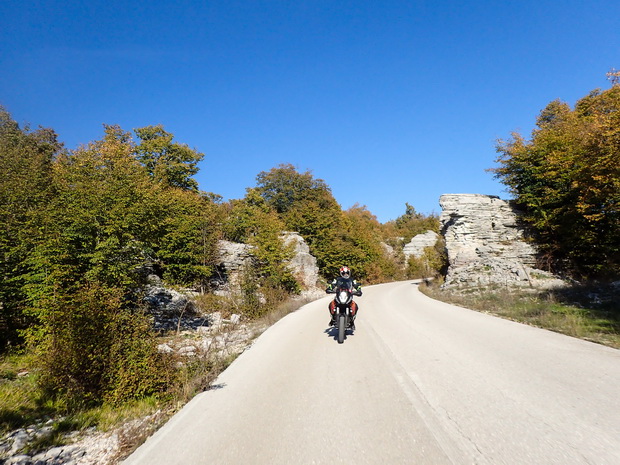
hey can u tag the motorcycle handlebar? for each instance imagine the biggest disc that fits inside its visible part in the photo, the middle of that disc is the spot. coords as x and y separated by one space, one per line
333 291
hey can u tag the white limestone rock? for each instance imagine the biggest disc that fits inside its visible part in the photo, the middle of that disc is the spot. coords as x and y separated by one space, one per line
486 245
233 258
303 265
418 243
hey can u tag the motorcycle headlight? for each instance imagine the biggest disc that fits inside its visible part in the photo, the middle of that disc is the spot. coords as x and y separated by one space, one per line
343 296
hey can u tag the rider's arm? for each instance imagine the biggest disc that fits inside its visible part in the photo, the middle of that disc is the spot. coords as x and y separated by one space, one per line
357 287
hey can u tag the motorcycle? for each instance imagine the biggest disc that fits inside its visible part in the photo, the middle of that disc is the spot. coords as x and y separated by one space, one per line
343 314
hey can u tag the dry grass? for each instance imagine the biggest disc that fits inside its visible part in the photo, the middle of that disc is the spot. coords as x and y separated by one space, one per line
587 312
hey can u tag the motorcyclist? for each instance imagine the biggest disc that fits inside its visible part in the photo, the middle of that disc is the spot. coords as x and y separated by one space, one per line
344 279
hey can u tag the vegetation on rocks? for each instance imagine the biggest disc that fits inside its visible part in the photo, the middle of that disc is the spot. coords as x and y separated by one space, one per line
336 237
432 263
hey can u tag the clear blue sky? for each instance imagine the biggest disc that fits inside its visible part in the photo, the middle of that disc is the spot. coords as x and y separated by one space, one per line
387 101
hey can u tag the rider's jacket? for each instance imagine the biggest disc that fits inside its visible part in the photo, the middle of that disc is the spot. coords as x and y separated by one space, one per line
340 281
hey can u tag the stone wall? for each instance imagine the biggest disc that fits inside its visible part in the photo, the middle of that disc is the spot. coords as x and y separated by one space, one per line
486 245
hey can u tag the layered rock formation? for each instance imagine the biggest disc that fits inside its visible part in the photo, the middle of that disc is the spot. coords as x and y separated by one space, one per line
486 245
234 257
418 243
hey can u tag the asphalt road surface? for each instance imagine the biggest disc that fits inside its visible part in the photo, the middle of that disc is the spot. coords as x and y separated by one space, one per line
419 382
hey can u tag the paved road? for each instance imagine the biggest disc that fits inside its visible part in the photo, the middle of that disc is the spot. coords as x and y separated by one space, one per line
420 382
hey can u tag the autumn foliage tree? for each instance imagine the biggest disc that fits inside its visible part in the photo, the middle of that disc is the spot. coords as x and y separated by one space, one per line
567 179
335 237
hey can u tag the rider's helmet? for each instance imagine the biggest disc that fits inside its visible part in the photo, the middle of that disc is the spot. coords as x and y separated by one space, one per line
345 272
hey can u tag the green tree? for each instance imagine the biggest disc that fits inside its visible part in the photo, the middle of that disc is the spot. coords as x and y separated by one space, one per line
567 180
108 220
25 189
188 228
254 222
362 239
284 188
335 237
78 230
307 206
167 162
98 224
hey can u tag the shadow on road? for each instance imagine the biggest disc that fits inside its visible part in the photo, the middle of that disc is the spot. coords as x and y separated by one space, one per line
213 387
333 333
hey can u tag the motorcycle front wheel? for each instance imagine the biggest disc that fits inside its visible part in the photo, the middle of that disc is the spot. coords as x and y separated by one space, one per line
342 327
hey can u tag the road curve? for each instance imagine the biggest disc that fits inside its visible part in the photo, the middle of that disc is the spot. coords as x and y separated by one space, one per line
420 382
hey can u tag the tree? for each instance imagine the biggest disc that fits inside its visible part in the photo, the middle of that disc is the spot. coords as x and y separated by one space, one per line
254 222
412 223
111 218
99 224
614 77
81 273
185 244
307 206
79 230
284 189
362 246
168 162
25 188
567 180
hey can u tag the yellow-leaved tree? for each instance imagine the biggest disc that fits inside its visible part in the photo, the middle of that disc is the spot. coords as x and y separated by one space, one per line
567 180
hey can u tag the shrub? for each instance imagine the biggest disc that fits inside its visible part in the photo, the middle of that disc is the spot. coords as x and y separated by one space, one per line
94 346
432 263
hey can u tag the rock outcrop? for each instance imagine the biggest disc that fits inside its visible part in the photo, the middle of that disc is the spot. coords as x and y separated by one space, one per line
233 258
303 265
171 309
486 245
418 243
